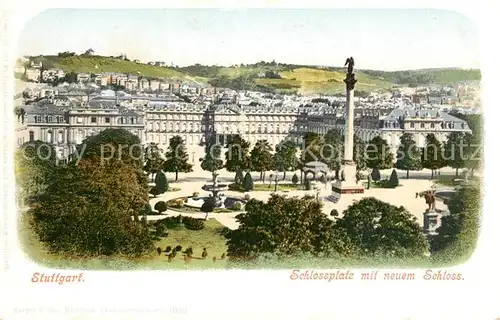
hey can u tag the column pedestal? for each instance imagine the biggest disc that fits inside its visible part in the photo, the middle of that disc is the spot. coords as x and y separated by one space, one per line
349 186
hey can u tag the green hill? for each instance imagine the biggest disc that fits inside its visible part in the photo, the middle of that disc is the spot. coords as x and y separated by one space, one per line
264 76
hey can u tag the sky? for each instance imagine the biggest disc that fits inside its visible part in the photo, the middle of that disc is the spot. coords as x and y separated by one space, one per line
377 39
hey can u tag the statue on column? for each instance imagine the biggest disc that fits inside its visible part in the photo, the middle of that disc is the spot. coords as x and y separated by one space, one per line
350 80
350 65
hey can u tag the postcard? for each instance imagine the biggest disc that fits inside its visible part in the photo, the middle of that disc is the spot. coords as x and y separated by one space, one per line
173 163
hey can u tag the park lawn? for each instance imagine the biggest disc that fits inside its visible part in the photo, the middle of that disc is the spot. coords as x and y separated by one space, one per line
209 238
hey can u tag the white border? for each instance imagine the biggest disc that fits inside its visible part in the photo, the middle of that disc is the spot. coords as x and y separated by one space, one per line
254 294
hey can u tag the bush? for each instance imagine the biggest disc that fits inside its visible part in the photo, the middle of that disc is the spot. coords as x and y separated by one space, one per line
177 203
168 249
247 197
196 194
375 174
161 206
393 180
170 222
160 229
158 250
248 182
204 254
238 206
154 191
193 223
308 184
161 182
146 210
178 248
207 206
334 213
295 179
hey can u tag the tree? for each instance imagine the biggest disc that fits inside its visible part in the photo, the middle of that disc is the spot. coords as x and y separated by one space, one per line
207 207
409 155
153 157
88 52
378 154
282 226
161 206
238 178
248 182
333 149
455 152
177 157
312 147
161 182
473 151
111 144
375 227
432 154
238 154
359 153
35 167
394 180
285 158
375 174
458 232
212 162
295 179
85 212
261 158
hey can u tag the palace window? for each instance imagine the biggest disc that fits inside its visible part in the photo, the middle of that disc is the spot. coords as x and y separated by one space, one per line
60 137
422 125
49 136
93 119
432 125
32 136
107 120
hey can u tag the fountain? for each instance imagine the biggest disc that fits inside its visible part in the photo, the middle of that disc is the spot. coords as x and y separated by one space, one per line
215 188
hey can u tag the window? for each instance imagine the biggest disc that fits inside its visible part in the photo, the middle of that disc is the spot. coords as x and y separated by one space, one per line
107 120
412 125
422 125
60 137
38 119
432 125
93 119
49 136
132 120
79 120
32 136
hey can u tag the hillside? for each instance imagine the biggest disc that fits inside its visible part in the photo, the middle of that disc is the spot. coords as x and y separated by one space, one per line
265 76
99 64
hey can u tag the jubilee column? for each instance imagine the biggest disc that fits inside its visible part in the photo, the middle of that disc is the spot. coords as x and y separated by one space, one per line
349 184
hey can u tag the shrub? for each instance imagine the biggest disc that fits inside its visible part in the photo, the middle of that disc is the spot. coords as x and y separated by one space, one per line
225 231
154 191
177 203
161 182
248 182
170 222
194 224
238 206
161 206
308 184
247 197
196 194
334 213
146 210
158 250
223 256
160 229
204 254
178 248
393 180
295 179
168 249
375 174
